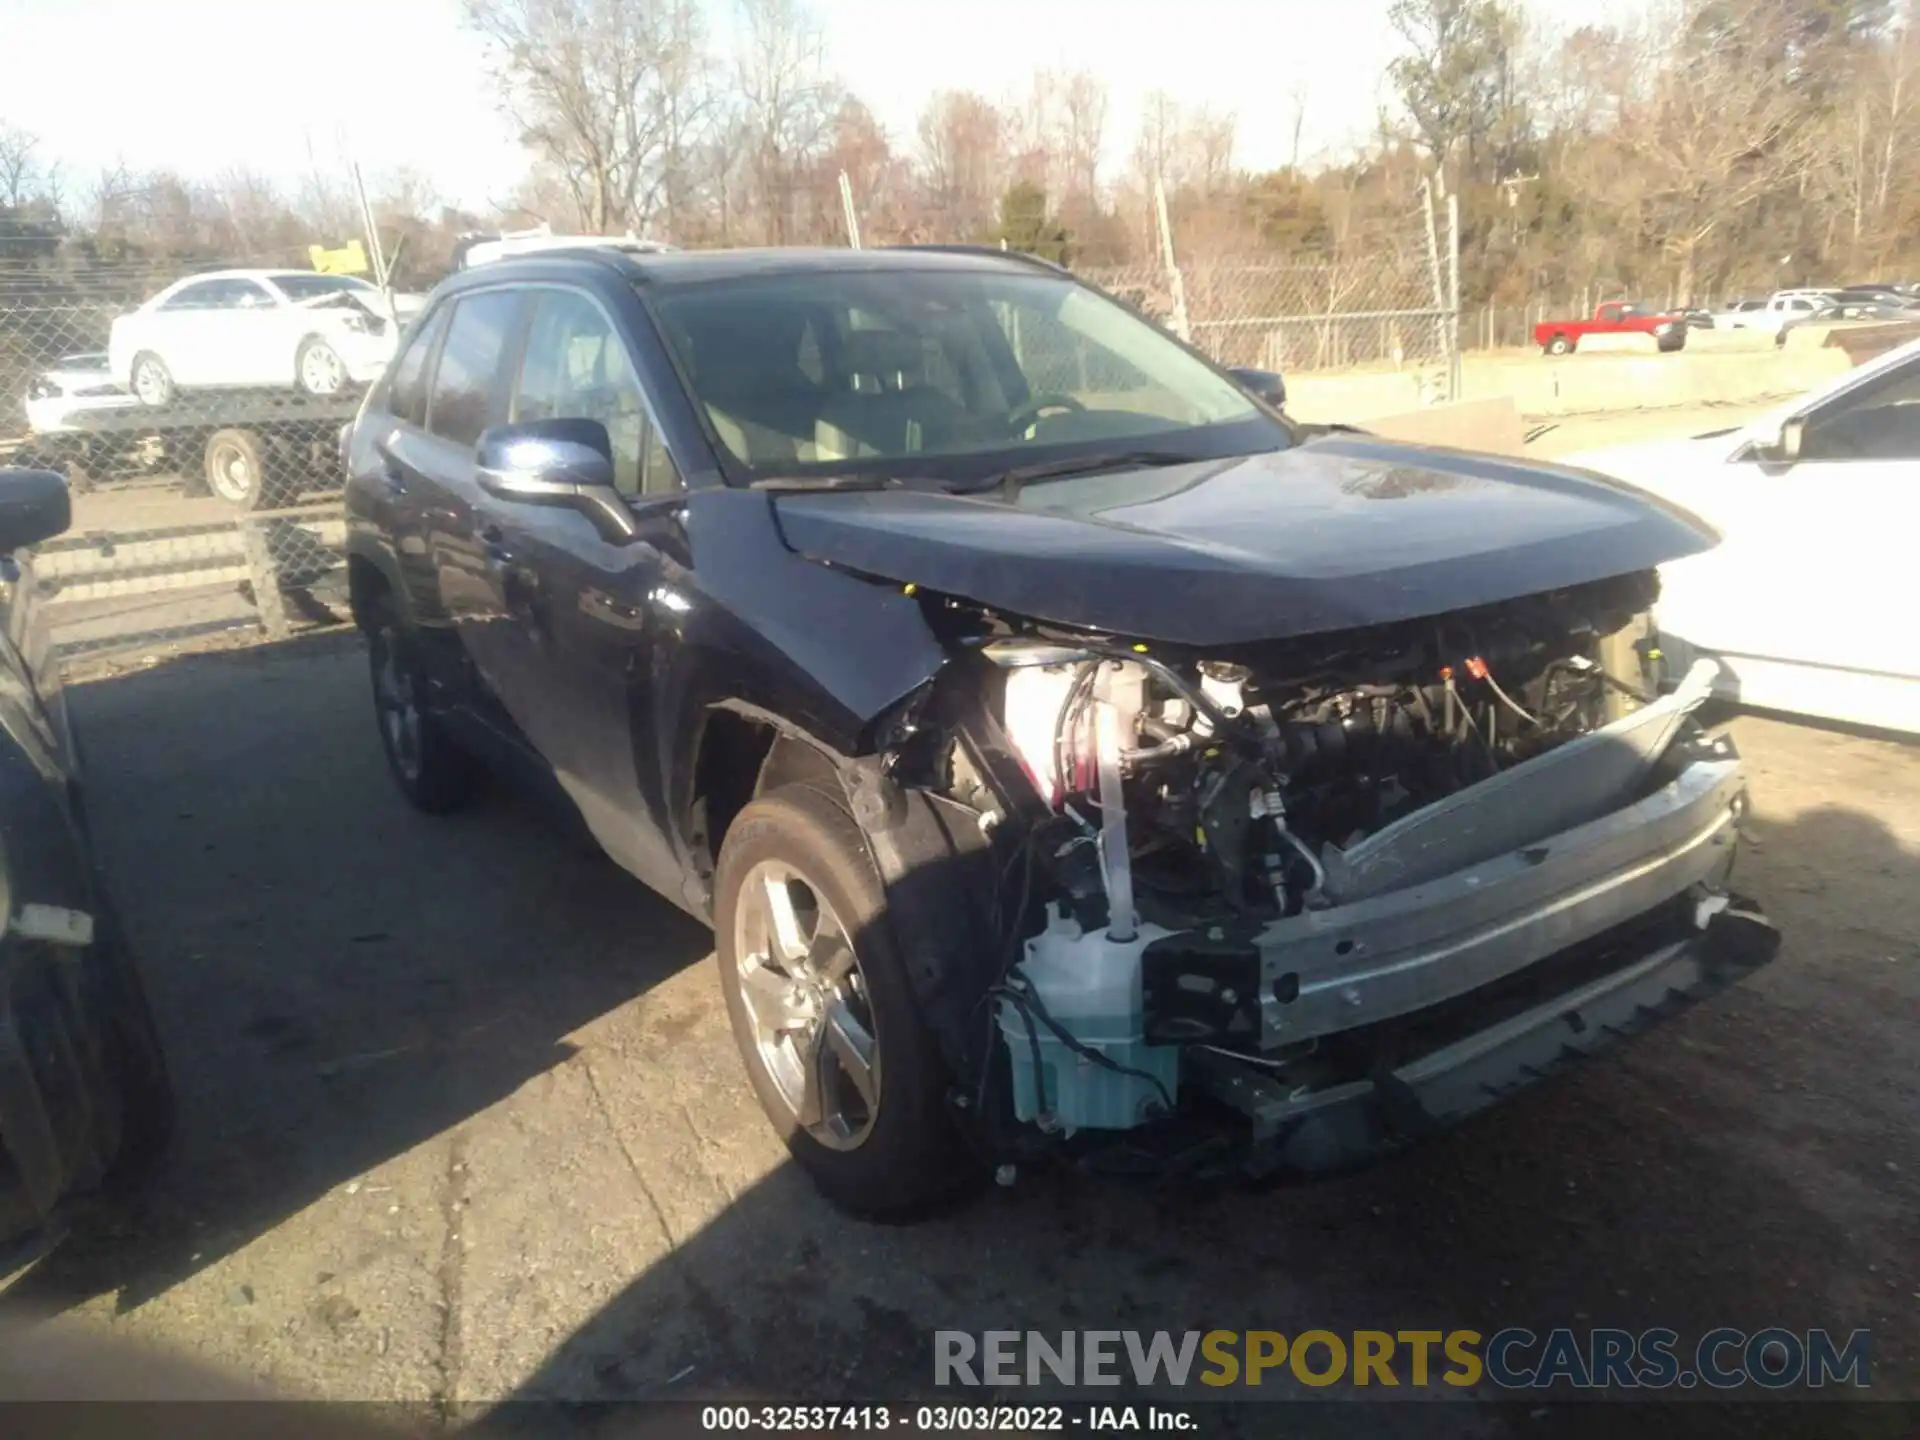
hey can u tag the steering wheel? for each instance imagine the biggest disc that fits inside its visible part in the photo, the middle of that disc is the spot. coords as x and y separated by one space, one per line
1024 417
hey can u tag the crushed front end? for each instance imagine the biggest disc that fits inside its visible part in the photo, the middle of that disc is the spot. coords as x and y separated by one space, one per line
1292 905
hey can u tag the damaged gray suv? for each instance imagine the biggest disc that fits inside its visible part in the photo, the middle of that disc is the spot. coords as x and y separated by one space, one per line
1075 757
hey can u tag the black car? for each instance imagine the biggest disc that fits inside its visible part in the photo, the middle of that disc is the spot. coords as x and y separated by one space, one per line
84 1097
1074 756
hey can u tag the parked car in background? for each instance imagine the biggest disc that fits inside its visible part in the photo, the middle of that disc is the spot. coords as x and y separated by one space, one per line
1771 314
255 329
1851 313
834 590
1616 317
73 386
1800 602
84 1097
1876 295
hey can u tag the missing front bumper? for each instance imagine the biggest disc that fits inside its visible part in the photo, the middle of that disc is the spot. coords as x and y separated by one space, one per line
1327 971
1352 1123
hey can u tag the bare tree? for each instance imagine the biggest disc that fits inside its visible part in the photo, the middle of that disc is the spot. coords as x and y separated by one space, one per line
787 104
597 88
23 180
1083 134
1713 138
963 162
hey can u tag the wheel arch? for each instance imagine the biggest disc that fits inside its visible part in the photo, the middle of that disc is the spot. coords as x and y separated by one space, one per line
372 576
934 858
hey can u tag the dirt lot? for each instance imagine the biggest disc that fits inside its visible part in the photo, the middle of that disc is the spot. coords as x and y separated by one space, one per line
462 1119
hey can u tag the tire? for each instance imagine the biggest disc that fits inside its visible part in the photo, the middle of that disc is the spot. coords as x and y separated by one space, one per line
151 381
890 1148
235 463
432 771
318 369
1559 345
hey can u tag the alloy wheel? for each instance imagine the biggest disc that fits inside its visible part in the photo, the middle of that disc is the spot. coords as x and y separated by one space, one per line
807 999
320 370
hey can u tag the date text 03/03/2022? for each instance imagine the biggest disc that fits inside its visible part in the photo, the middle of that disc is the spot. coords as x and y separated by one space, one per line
936 1419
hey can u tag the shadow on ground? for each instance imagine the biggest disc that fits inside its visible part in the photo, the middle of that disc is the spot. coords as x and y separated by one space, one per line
336 977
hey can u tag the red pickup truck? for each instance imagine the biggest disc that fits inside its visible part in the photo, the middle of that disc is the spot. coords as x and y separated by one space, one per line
1616 317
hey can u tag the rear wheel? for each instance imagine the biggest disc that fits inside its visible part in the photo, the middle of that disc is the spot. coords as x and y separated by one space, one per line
152 381
433 772
1559 345
822 1011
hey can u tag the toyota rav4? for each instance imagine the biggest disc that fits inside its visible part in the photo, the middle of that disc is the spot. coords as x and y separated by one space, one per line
1074 756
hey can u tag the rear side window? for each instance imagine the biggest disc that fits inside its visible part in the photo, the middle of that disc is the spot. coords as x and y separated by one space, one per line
464 382
407 391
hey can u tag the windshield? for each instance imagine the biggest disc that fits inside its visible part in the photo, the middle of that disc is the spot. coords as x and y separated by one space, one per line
959 372
302 286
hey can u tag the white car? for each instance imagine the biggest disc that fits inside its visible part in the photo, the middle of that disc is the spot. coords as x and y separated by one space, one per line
258 329
1771 314
1806 600
73 387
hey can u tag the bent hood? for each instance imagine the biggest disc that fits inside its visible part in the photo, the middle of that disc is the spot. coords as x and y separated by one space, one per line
1334 534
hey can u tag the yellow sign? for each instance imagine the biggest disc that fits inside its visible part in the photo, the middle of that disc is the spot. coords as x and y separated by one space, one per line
349 259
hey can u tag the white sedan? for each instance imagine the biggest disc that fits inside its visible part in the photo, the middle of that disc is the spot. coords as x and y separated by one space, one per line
260 329
1806 600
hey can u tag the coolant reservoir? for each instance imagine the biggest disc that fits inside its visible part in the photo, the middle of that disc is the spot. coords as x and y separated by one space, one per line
1090 985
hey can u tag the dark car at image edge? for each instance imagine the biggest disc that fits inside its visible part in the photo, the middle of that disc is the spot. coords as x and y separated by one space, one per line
1076 758
85 1102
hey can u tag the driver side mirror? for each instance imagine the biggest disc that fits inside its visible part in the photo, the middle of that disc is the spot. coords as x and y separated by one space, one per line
562 463
34 506
1264 385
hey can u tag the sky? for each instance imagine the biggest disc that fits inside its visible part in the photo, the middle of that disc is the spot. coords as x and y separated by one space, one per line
202 86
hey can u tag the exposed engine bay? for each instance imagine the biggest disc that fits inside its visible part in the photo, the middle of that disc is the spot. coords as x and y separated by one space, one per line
1216 846
1239 775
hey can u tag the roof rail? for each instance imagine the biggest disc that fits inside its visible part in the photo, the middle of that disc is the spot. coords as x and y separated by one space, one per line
1020 256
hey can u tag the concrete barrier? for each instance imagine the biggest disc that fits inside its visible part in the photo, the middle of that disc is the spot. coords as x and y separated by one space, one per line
1351 396
1715 341
1626 342
1584 384
1490 426
1861 343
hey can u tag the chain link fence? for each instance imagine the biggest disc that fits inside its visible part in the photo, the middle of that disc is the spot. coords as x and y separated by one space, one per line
196 416
1387 299
1290 316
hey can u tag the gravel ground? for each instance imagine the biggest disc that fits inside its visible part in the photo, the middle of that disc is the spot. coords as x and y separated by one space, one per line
462 1120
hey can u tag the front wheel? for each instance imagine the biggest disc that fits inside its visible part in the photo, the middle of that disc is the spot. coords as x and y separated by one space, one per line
822 1011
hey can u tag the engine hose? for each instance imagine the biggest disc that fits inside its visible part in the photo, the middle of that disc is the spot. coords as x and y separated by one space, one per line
1165 750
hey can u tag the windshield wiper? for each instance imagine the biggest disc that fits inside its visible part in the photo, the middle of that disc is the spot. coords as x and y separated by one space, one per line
810 484
1020 475
1078 465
